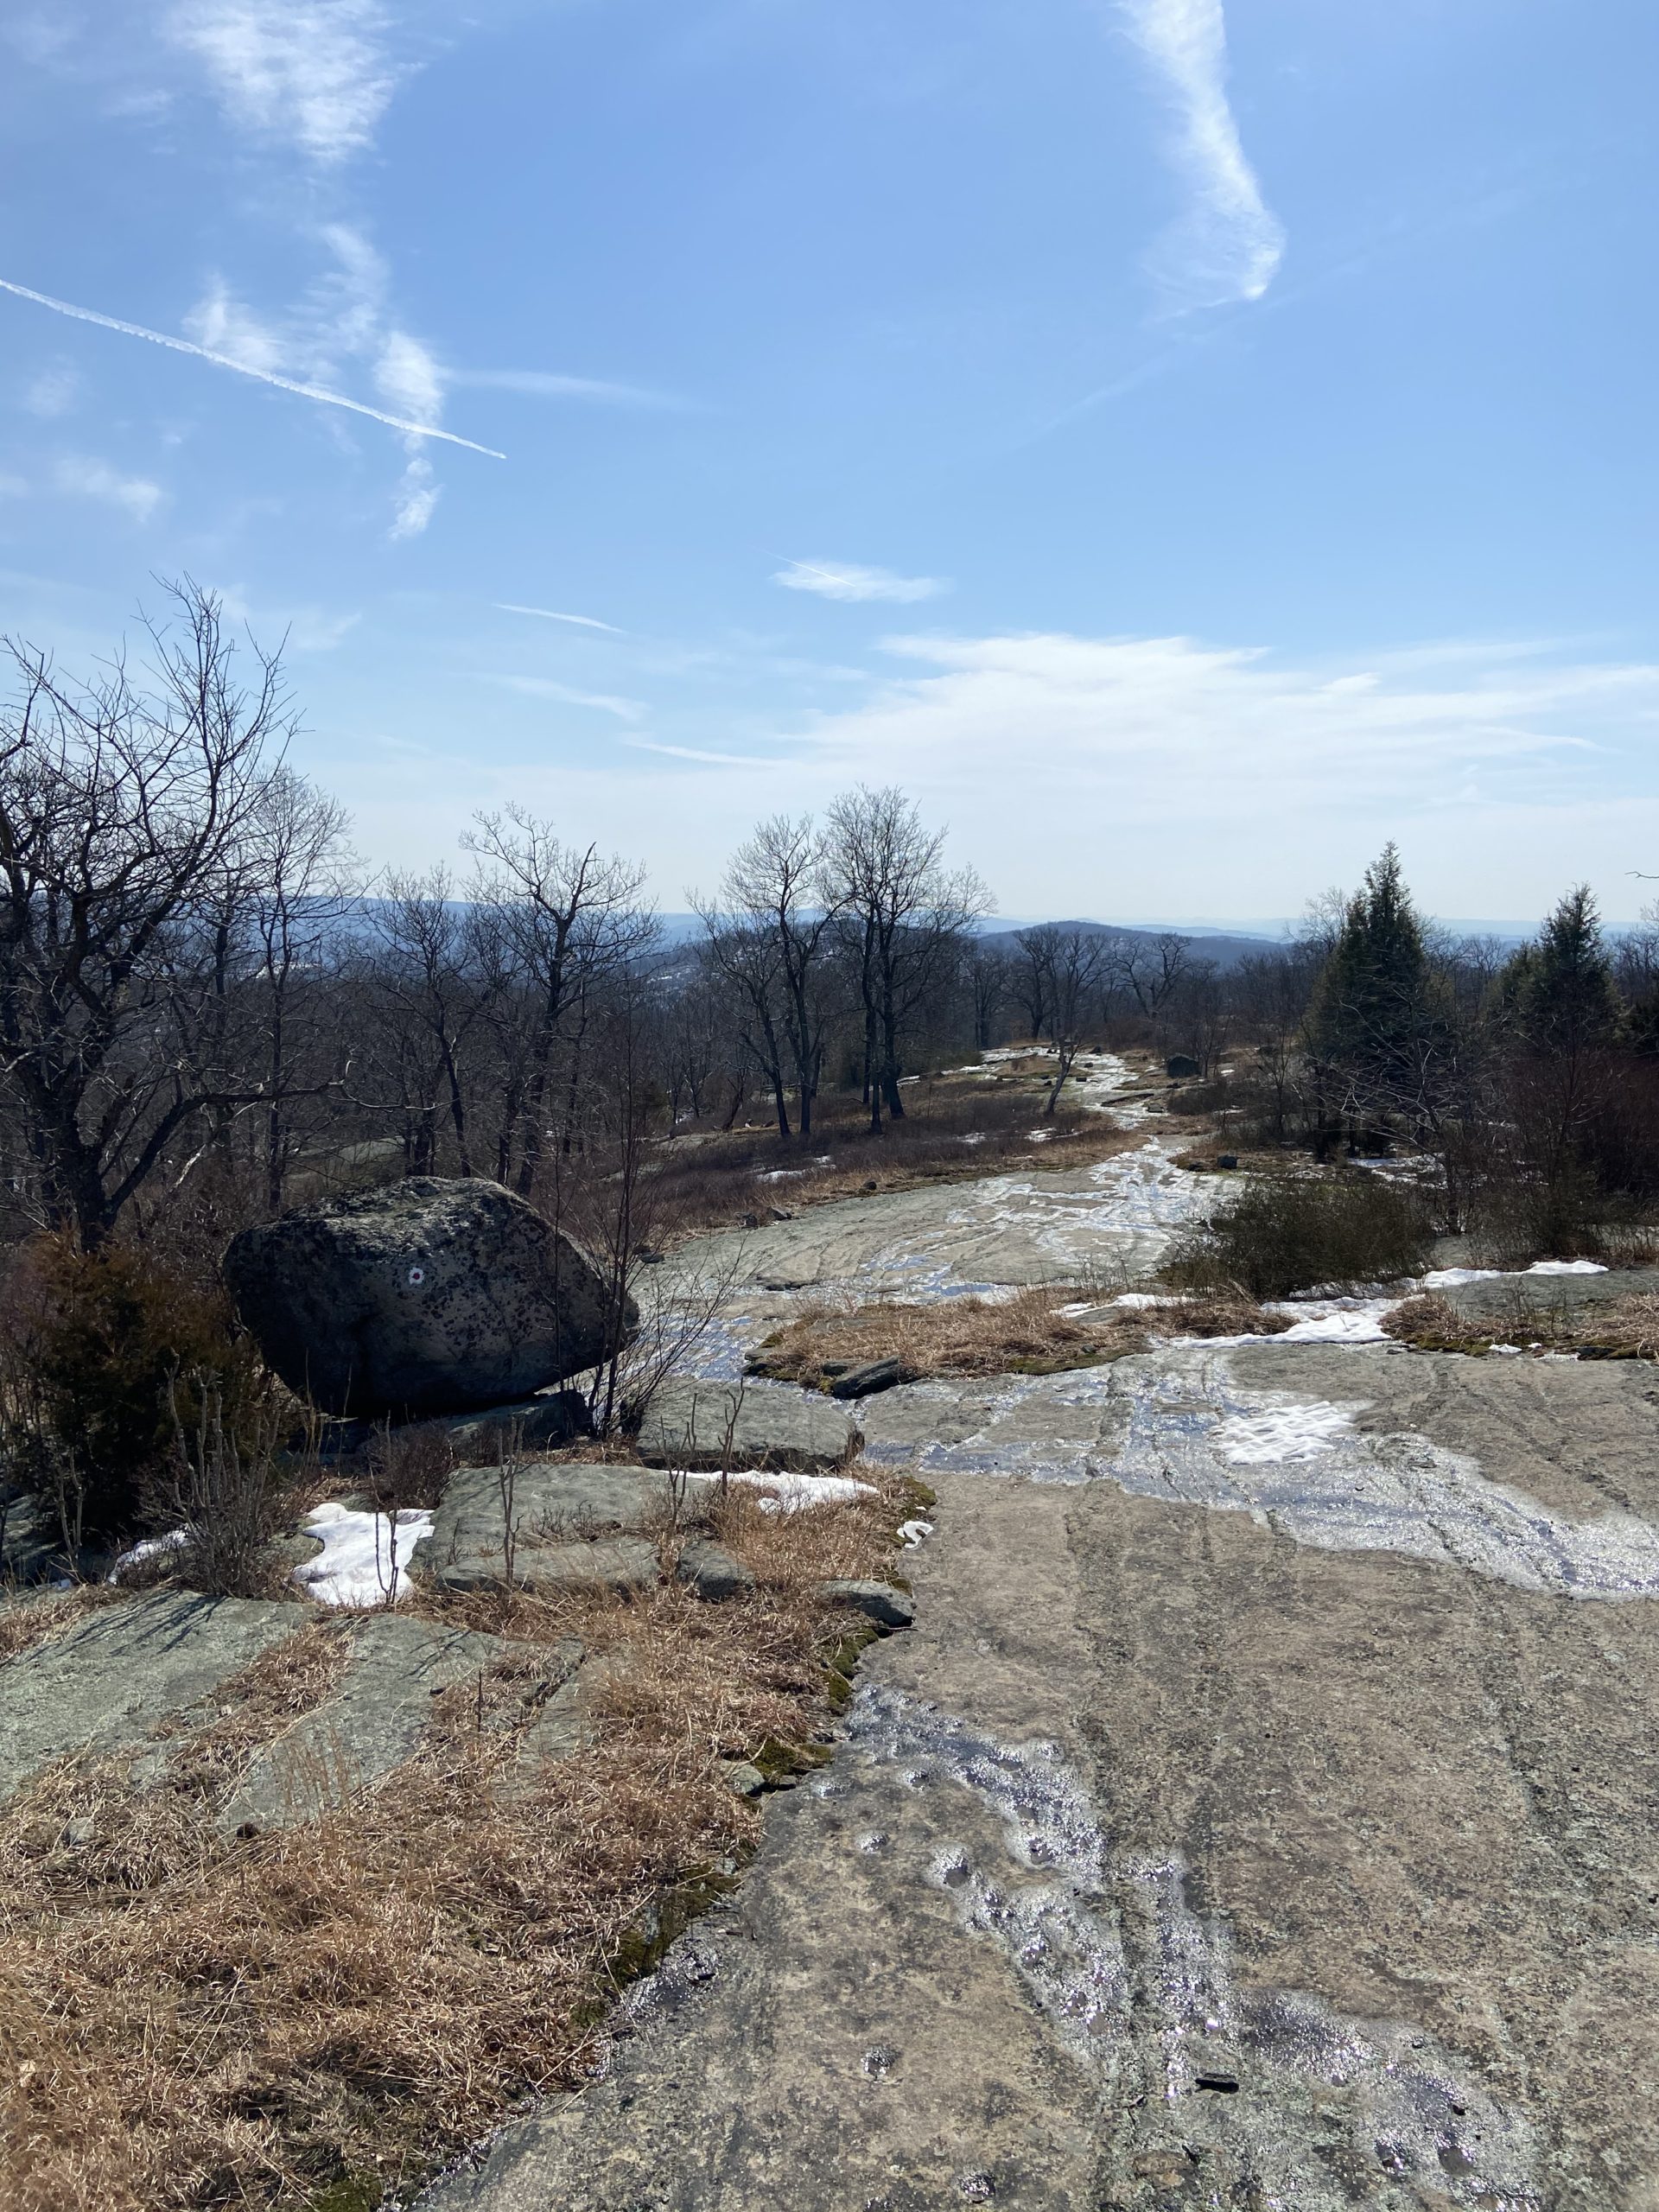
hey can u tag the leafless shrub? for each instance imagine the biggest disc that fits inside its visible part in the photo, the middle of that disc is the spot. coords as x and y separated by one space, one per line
226 1489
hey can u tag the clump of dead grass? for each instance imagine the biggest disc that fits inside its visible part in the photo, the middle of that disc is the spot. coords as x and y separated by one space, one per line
29 1621
190 2020
1029 1332
1624 1328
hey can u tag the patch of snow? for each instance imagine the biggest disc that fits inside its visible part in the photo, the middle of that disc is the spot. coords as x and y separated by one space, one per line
1449 1278
973 1136
1347 1321
911 1533
148 1548
355 1566
787 1493
1279 1435
1567 1268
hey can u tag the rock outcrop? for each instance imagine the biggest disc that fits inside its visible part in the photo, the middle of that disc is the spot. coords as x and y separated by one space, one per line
426 1297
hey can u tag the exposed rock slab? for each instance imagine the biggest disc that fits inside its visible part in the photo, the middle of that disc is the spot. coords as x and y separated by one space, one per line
104 1685
554 1508
710 1570
1175 1858
770 1427
372 1721
426 1297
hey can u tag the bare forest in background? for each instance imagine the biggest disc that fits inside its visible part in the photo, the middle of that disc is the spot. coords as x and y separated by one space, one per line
210 1012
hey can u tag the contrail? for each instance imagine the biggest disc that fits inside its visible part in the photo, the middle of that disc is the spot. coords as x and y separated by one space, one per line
584 621
264 376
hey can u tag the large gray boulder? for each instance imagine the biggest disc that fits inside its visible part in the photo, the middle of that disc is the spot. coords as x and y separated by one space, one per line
426 1297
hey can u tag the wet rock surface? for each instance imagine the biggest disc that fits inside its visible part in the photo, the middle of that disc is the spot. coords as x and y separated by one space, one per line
1170 1859
426 1297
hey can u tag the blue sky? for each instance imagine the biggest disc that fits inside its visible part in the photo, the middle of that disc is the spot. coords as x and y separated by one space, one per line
1185 446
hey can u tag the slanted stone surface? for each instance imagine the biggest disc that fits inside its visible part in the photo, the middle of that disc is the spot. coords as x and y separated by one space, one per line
711 1571
426 1297
551 1506
877 1601
372 1720
773 1427
105 1685
875 1375
529 1424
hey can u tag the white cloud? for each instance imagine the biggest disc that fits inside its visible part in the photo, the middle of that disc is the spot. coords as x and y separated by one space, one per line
55 391
416 498
543 687
223 326
409 378
549 614
1229 244
314 73
845 579
87 478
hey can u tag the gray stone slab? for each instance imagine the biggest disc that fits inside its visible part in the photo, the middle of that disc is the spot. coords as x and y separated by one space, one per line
529 1424
552 1504
773 1426
373 1720
711 1571
108 1683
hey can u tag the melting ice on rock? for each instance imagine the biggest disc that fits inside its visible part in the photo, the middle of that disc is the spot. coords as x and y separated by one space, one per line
1129 1974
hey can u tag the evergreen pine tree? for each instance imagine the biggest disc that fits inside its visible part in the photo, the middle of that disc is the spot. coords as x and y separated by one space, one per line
1376 1012
1558 992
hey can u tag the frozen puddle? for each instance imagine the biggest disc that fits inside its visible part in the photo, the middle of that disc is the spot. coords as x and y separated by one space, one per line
1179 1425
1139 1989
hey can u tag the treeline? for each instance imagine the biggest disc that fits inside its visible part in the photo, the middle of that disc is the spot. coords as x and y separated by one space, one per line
208 1013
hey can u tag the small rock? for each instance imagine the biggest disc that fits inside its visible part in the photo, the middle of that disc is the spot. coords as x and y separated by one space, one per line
780 1213
648 1256
712 1571
877 1601
1180 1067
742 1779
864 1382
1227 1159
870 1183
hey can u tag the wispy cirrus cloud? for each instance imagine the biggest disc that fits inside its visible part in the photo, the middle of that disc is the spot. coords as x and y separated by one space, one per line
83 477
848 580
604 702
551 614
314 75
1229 244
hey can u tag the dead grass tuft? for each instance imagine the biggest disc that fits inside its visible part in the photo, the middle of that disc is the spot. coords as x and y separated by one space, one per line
27 1621
1027 1333
188 2020
1624 1328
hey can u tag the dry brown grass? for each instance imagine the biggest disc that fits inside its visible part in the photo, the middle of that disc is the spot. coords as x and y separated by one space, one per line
1624 1328
27 1622
301 2018
1027 1333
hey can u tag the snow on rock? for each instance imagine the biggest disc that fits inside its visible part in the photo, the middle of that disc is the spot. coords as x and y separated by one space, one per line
787 1493
1450 1278
1567 1268
911 1533
149 1547
1281 1434
356 1565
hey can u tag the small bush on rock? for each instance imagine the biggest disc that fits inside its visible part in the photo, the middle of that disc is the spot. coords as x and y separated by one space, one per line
1283 1236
